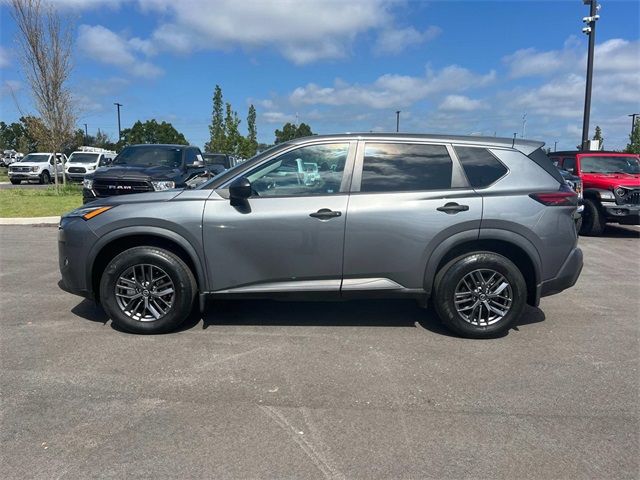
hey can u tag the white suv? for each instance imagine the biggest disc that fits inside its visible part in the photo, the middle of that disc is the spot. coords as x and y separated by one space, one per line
37 166
87 160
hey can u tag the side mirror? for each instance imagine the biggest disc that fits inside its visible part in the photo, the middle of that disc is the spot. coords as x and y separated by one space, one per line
196 164
239 191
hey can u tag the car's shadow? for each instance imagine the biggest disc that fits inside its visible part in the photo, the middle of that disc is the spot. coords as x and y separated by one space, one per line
619 231
353 313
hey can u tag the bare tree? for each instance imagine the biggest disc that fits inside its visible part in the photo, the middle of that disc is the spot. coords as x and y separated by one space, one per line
45 49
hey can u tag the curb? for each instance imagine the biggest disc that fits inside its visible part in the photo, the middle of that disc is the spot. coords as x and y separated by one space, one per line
30 221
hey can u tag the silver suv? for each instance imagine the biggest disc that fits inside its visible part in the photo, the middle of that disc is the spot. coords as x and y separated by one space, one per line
478 226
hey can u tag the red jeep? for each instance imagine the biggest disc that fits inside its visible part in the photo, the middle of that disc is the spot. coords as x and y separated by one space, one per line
611 183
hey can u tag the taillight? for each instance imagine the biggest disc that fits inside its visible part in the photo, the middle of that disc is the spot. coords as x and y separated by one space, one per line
565 197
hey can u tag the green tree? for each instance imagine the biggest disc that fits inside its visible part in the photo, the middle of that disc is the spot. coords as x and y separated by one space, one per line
598 136
102 140
290 131
634 139
151 132
233 139
217 140
249 144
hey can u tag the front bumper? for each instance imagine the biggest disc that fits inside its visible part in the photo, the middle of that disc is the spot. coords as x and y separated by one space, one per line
624 214
566 277
24 175
75 239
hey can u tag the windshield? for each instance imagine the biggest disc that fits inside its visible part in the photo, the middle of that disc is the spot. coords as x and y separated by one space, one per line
150 157
84 157
215 181
604 164
36 157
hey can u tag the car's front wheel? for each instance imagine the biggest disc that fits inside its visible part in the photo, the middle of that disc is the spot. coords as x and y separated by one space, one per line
16 182
147 290
45 179
479 295
593 222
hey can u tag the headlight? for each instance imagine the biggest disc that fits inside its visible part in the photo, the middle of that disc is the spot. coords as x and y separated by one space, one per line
621 192
88 213
606 195
91 167
35 169
87 183
164 185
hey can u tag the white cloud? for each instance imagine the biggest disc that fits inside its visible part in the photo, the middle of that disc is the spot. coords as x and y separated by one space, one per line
303 31
277 117
106 46
460 103
392 90
5 61
393 41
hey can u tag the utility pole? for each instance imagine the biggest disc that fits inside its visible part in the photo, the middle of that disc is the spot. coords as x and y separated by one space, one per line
590 31
397 121
118 105
86 133
633 120
524 125
555 146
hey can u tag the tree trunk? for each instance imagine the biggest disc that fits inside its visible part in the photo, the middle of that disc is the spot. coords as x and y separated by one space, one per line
55 171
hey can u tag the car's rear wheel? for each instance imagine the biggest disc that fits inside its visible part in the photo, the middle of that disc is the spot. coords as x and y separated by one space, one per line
147 290
479 295
593 222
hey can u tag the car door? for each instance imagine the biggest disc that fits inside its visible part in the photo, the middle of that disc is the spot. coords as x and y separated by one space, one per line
289 235
407 198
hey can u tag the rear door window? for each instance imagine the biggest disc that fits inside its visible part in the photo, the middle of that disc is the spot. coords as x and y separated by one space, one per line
405 167
480 166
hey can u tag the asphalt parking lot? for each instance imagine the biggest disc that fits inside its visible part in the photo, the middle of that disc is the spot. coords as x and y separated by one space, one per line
367 389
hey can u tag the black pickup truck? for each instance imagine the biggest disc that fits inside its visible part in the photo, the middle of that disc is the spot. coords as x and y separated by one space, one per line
147 168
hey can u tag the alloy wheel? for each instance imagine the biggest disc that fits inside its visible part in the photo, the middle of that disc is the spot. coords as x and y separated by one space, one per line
145 292
483 297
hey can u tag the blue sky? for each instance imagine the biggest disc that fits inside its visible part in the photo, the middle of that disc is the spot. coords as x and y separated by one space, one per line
464 67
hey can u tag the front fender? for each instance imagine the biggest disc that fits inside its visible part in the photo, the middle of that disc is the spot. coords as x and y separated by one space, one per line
149 231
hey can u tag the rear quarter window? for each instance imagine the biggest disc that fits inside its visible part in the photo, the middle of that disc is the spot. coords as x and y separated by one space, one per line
542 160
480 166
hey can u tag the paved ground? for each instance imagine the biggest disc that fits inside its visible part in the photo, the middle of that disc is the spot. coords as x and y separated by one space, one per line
342 390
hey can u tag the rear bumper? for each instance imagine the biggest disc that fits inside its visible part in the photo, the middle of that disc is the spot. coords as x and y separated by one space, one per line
624 214
567 276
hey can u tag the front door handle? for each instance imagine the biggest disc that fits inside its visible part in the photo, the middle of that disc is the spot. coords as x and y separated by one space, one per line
452 208
325 214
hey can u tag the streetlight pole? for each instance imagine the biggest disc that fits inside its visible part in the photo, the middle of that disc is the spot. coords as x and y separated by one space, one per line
86 133
633 120
589 30
118 105
524 125
555 146
397 121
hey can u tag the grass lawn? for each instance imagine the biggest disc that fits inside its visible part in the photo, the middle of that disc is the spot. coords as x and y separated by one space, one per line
39 203
3 174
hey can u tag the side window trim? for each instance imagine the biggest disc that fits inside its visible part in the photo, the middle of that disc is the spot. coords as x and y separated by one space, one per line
346 175
458 178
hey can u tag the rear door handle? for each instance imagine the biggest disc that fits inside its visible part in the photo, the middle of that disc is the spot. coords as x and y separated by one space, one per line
452 208
325 214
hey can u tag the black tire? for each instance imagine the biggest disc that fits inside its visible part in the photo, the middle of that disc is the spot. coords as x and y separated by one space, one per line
451 275
45 179
184 284
16 182
593 221
579 224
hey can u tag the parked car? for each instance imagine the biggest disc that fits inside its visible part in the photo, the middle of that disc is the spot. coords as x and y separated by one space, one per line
37 166
147 168
576 185
219 162
478 226
10 156
86 160
611 184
